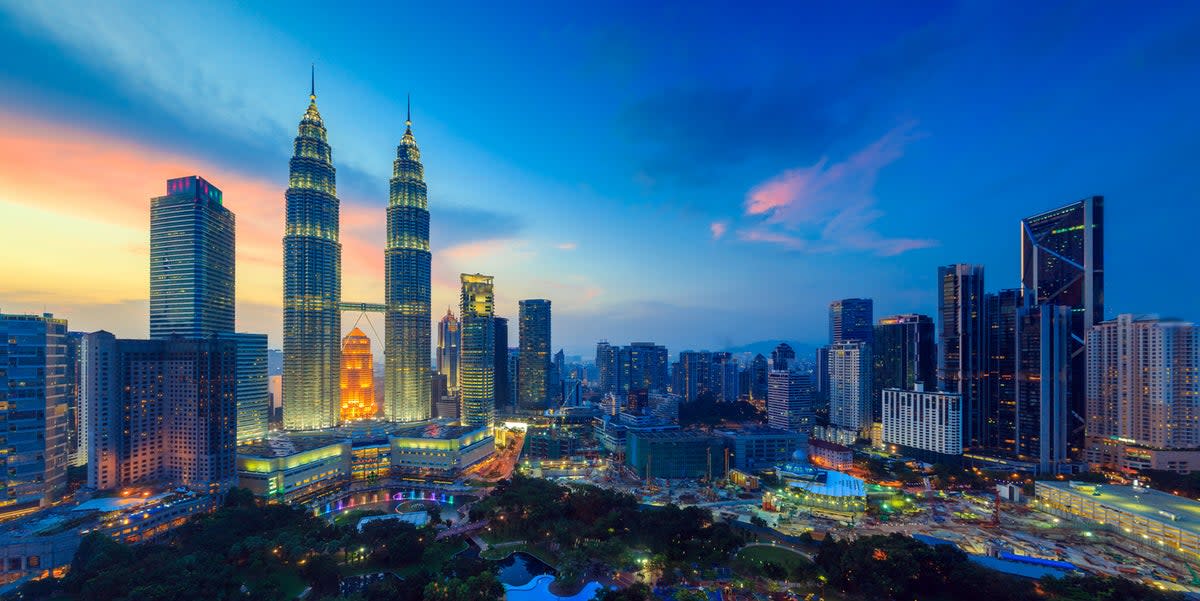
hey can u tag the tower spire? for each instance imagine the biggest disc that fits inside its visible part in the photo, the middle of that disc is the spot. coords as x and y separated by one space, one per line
312 90
408 117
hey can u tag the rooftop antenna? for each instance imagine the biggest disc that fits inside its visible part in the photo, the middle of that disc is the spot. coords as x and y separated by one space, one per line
312 90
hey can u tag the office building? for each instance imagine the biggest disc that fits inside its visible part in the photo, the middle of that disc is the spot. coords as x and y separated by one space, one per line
1001 310
160 411
1062 263
512 360
33 403
407 288
449 339
904 355
790 400
358 377
252 394
850 375
76 412
693 374
783 356
924 425
312 282
759 448
648 366
534 339
1043 385
191 261
757 384
504 376
606 366
725 377
674 454
821 375
851 319
477 361
962 347
1143 394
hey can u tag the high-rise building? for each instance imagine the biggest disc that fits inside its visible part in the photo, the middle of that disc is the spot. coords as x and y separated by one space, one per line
758 377
821 375
850 375
252 395
191 261
1043 385
477 361
534 332
925 425
358 377
905 354
724 373
76 416
962 347
694 373
160 411
606 365
1143 392
1062 263
648 365
1001 311
851 319
504 377
513 360
558 370
407 288
33 406
790 400
312 282
449 338
783 356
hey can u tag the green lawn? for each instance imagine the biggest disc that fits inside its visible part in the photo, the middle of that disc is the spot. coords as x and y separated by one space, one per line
784 557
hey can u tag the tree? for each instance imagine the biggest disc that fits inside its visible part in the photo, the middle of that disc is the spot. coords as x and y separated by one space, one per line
637 592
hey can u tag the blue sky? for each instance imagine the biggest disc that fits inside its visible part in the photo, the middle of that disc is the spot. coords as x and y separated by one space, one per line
696 174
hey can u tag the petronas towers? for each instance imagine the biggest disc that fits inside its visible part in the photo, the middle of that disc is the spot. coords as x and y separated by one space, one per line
312 284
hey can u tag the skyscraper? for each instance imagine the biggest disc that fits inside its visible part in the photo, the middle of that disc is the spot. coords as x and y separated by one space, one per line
76 414
33 405
694 373
904 355
851 319
1144 394
312 282
606 366
962 347
850 371
251 395
449 338
1062 263
1043 383
534 378
758 377
407 288
1001 310
782 356
358 377
648 363
191 261
789 400
160 411
502 374
477 361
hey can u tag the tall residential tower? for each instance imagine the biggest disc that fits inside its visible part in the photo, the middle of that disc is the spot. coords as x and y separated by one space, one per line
407 288
312 282
477 400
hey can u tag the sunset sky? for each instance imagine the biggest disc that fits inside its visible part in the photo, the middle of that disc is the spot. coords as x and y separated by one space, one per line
700 175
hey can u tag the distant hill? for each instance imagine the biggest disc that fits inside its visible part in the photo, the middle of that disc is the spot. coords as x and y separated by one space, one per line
765 347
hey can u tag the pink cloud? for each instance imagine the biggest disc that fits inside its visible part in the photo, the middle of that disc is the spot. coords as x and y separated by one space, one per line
718 229
829 207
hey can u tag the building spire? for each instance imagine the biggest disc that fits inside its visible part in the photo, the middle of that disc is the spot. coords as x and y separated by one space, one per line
408 117
312 90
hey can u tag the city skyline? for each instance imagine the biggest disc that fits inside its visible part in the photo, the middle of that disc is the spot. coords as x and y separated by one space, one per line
907 166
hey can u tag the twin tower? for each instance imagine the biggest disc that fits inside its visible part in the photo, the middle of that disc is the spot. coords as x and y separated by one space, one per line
312 285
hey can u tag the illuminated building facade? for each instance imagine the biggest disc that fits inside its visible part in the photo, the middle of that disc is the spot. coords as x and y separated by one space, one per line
850 371
477 363
962 347
1002 309
851 319
312 282
1143 394
923 425
358 377
1043 385
191 261
904 354
1062 263
449 339
33 406
253 396
790 400
407 288
534 333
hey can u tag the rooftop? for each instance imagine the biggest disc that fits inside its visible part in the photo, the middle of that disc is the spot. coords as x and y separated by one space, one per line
1180 512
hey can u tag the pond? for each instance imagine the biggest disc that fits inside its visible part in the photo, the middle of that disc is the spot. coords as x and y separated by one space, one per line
519 568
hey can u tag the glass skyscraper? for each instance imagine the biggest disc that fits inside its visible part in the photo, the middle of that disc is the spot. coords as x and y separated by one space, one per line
477 362
1062 263
905 354
449 339
851 319
312 282
407 288
534 340
191 261
502 374
962 347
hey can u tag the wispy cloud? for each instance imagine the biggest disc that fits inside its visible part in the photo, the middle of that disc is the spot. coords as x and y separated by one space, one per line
829 207
718 229
566 246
